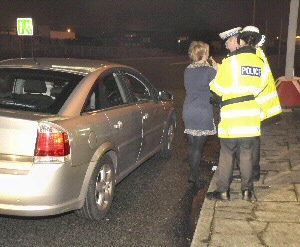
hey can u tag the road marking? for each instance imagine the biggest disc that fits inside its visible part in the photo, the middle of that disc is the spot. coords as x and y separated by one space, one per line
184 62
142 58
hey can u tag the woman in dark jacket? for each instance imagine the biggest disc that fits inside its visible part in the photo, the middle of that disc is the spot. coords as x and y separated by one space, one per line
197 111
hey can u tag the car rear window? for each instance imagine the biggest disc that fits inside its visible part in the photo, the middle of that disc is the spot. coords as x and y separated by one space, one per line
36 90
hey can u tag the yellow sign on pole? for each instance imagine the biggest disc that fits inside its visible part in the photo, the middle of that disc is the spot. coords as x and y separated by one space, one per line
24 26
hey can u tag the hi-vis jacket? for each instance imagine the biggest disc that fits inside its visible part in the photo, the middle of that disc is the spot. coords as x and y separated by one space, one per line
242 73
268 99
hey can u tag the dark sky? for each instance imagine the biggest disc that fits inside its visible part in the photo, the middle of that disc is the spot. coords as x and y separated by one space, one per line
94 16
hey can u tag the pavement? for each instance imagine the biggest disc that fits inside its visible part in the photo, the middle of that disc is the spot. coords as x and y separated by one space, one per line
272 218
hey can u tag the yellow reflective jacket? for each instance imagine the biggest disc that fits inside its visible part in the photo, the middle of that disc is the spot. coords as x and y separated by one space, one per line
268 99
240 74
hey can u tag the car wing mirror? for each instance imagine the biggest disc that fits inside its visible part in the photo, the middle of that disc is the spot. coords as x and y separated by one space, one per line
165 95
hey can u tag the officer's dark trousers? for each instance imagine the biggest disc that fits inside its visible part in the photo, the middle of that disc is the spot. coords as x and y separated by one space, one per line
229 149
256 159
195 148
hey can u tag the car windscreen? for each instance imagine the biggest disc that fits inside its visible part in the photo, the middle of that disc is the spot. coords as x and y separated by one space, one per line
35 90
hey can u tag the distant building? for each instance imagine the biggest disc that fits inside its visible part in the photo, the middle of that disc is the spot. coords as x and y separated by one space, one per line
8 31
42 31
62 35
147 39
183 39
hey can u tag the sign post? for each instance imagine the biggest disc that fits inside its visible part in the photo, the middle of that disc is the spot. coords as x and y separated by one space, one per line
288 86
25 28
291 42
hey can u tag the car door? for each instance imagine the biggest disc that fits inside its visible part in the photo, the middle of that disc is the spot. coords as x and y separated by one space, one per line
124 117
153 114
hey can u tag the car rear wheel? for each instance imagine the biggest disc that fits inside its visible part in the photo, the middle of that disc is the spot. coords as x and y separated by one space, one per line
167 141
100 192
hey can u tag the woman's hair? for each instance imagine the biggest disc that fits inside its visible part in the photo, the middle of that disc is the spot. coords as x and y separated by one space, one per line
250 40
197 50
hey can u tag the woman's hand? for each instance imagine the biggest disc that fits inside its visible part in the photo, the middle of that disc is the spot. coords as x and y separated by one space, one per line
214 64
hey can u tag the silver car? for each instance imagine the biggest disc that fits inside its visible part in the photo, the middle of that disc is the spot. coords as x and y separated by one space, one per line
71 129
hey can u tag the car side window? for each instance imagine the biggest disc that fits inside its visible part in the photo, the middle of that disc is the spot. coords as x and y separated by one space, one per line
105 93
140 90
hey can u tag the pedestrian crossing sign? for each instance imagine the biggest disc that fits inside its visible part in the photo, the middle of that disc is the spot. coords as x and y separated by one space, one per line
24 26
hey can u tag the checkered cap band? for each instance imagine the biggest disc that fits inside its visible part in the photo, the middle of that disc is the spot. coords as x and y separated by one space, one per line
227 34
230 34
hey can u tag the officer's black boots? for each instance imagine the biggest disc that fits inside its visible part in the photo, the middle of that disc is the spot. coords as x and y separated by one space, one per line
221 196
246 195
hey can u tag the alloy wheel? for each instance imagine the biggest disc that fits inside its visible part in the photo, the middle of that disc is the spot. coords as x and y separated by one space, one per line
103 190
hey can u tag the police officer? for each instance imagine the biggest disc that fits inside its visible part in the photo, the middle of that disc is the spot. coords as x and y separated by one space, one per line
268 99
231 44
240 78
230 38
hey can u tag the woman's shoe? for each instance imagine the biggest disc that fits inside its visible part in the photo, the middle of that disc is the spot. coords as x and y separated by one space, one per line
199 185
196 184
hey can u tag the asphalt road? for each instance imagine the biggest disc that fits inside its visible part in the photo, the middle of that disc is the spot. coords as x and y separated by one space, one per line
153 206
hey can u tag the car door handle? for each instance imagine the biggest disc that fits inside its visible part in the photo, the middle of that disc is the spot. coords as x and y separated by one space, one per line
146 116
119 125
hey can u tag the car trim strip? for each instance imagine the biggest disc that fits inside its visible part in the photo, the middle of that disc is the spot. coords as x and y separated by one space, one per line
13 171
16 158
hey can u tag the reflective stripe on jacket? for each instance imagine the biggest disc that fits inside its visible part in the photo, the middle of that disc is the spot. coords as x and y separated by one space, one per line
268 99
240 74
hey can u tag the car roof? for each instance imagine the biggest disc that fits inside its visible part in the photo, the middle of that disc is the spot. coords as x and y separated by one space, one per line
69 65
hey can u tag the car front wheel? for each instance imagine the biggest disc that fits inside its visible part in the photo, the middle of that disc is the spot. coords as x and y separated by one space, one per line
100 192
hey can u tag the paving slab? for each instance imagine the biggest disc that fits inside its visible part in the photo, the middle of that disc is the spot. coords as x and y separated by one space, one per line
282 235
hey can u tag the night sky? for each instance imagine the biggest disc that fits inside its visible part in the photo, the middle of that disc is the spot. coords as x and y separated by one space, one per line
94 16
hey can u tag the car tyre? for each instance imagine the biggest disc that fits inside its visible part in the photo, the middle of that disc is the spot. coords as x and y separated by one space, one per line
167 141
100 192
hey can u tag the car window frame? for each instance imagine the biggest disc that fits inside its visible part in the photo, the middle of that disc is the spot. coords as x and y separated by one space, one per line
140 77
123 89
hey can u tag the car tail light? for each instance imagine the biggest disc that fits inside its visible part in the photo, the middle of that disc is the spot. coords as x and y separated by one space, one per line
52 140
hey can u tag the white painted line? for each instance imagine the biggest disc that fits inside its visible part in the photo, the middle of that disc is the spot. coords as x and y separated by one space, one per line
143 58
297 85
184 62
